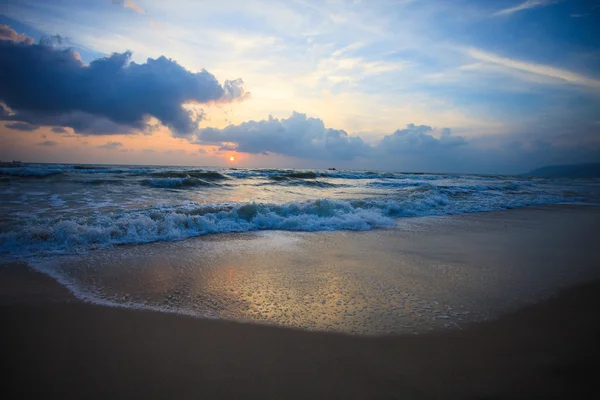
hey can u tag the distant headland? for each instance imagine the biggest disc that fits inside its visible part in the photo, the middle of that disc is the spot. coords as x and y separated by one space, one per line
590 170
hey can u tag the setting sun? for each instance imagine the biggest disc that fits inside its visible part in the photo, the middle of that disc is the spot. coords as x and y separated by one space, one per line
232 158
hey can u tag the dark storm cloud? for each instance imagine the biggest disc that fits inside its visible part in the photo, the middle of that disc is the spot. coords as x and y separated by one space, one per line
81 122
47 84
21 126
297 136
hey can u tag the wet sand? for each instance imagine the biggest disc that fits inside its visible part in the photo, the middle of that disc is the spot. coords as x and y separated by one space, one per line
57 347
68 349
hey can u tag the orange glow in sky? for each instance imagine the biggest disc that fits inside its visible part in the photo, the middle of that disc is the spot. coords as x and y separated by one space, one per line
232 158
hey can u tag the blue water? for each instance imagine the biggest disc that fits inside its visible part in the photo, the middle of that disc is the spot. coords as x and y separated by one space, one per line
52 209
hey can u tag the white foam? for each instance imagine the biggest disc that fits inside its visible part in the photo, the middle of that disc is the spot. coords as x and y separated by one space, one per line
49 268
59 236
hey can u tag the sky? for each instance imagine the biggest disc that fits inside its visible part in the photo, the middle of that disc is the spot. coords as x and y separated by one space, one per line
501 86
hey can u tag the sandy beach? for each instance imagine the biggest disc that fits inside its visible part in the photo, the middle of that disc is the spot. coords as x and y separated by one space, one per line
57 346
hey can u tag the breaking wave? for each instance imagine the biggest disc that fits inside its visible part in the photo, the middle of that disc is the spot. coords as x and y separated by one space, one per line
73 235
63 209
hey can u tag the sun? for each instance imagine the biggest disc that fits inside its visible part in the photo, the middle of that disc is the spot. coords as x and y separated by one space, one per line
232 158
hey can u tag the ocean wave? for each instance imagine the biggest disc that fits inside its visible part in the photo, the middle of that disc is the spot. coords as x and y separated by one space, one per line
135 171
357 174
41 171
177 182
59 236
397 184
102 181
301 175
30 172
281 174
206 175
285 181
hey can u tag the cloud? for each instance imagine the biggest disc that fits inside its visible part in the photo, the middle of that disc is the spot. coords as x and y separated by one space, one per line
129 4
296 136
48 143
59 129
5 111
423 148
234 91
47 84
155 24
178 152
527 5
21 126
6 33
303 137
80 122
111 145
557 74
415 139
414 148
340 68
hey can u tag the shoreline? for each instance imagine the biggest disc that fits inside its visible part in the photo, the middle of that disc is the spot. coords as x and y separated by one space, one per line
479 265
59 346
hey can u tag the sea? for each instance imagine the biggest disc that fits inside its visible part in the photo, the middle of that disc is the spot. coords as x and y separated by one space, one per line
100 229
64 209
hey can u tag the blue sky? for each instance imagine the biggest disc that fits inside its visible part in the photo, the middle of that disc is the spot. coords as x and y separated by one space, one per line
517 83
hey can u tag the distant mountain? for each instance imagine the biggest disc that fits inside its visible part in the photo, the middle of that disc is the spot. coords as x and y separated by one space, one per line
568 171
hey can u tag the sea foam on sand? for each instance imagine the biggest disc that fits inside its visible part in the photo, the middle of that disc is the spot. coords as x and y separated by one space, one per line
427 273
